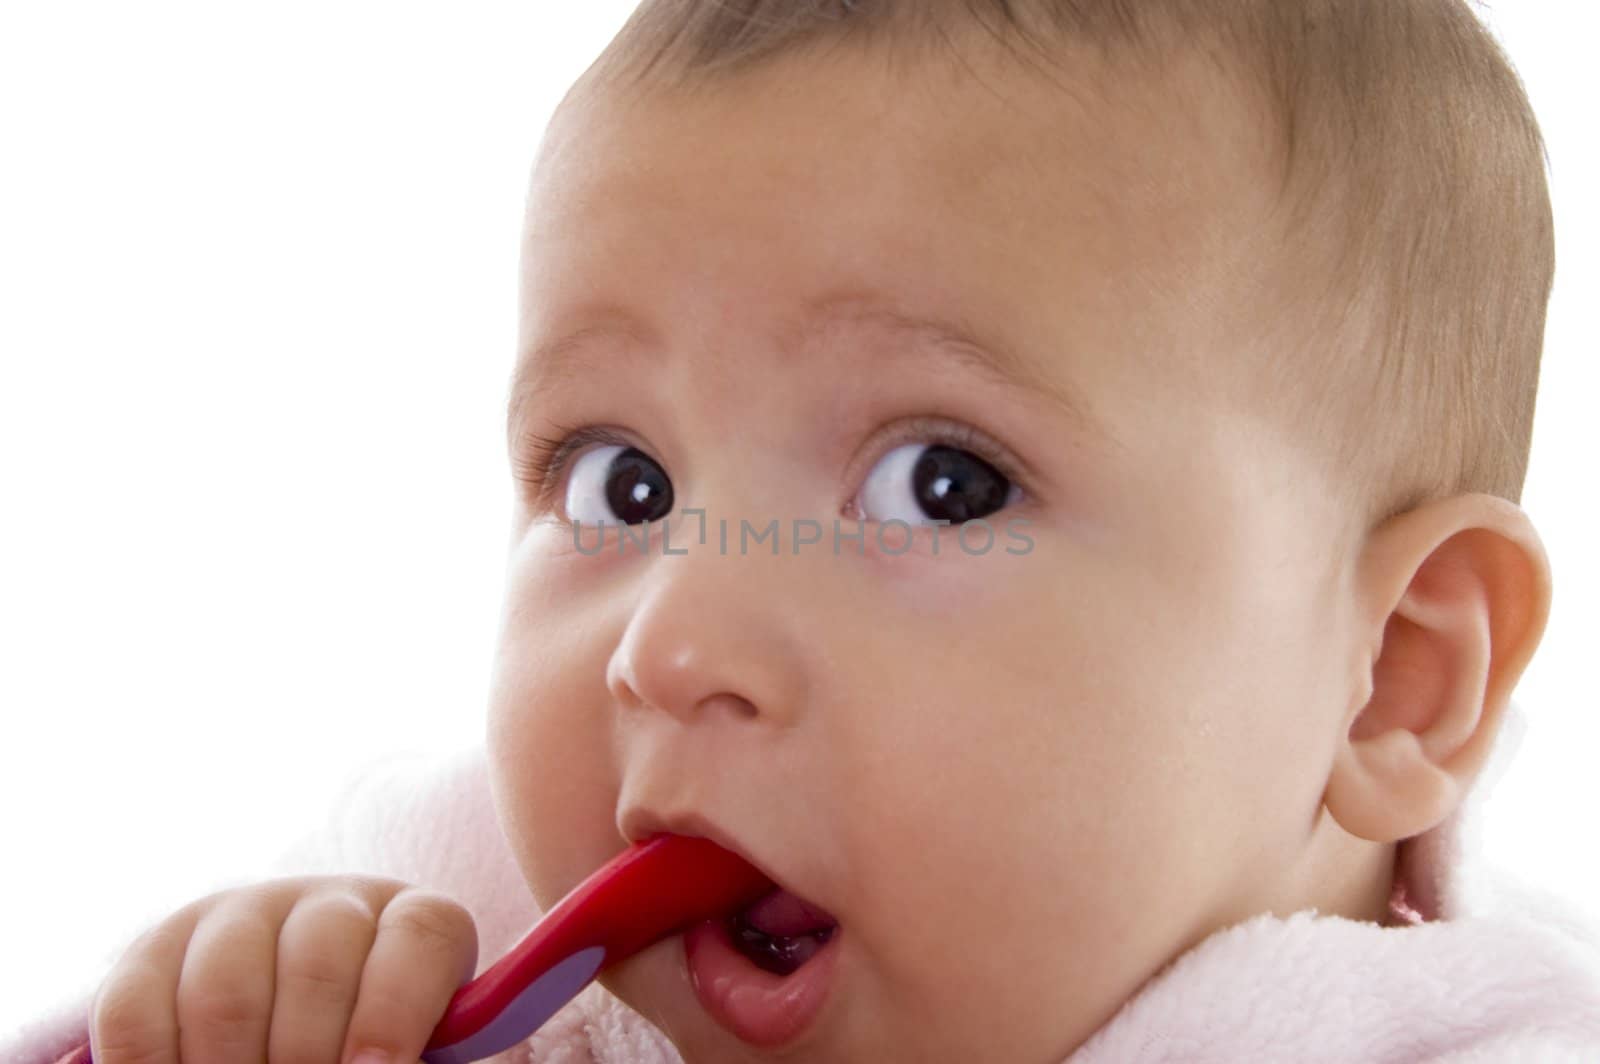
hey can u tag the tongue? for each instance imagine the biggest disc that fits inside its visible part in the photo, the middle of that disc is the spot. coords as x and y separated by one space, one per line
781 914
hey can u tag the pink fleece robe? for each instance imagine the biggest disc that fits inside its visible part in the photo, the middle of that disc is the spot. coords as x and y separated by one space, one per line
1474 967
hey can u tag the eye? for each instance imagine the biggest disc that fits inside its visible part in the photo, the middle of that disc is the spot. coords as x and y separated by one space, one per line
922 482
617 485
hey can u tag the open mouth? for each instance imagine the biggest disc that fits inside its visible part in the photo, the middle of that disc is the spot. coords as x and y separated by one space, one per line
765 972
780 932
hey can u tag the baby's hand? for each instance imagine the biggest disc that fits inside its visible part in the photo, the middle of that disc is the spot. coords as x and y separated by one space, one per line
309 970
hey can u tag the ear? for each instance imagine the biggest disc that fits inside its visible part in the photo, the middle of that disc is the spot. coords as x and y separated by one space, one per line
1454 596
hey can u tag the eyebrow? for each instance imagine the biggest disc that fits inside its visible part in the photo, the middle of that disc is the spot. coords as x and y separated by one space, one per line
946 339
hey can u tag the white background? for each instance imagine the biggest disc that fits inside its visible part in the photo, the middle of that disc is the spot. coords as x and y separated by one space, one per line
257 311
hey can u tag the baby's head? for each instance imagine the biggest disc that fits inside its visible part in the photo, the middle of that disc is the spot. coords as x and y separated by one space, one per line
1223 317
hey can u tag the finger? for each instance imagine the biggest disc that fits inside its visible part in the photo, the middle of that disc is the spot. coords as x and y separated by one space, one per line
426 949
133 1019
322 949
224 1003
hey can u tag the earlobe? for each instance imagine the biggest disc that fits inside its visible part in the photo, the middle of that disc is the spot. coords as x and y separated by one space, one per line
1456 594
1386 788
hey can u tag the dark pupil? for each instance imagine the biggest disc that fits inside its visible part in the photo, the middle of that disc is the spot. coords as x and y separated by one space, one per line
957 485
637 489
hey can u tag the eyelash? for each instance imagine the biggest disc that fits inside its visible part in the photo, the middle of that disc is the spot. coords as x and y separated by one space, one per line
542 460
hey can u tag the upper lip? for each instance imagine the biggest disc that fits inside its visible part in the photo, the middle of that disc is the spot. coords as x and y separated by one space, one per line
640 822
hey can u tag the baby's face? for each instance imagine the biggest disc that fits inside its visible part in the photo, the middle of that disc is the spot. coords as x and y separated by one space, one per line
1023 778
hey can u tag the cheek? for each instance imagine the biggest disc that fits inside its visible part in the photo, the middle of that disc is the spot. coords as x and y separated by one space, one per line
997 723
968 701
965 822
549 765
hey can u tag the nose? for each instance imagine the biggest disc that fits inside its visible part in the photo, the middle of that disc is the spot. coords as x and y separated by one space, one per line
715 632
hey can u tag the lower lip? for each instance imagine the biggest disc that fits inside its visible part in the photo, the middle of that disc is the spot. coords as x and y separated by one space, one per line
760 1007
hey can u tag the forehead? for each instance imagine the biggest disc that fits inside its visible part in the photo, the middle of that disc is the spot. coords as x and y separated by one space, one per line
1007 146
995 151
1029 205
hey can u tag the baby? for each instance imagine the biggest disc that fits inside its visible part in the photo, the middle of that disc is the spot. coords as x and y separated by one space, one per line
1037 479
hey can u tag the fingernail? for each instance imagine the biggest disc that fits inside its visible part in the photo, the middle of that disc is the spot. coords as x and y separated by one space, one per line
371 1056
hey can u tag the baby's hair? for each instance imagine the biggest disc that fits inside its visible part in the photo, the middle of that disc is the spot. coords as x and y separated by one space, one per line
1411 220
